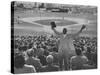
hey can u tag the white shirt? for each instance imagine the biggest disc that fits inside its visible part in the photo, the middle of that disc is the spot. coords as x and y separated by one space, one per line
65 43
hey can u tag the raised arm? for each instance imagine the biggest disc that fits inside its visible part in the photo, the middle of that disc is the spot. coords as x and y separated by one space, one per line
80 31
56 32
53 26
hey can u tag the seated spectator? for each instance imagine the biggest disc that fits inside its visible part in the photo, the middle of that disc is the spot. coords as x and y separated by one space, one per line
94 59
21 67
92 56
49 67
78 61
42 57
33 60
88 54
23 43
46 52
55 55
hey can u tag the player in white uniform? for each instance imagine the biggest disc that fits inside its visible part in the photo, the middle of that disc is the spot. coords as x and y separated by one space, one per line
65 47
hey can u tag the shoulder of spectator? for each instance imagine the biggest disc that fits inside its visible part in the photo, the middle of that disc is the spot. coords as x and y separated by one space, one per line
32 68
36 59
29 66
43 66
56 66
73 57
51 53
84 57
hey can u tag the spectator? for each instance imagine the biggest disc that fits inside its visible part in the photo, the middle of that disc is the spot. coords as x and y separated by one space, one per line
49 67
21 67
94 59
88 54
42 57
78 61
33 60
49 46
55 55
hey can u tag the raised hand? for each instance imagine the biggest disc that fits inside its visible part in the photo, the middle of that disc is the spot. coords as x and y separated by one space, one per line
83 27
53 25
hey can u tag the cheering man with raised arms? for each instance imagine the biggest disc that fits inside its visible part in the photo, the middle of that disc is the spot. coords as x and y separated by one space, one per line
65 45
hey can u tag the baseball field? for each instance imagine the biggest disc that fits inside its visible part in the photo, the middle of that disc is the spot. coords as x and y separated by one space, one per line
30 22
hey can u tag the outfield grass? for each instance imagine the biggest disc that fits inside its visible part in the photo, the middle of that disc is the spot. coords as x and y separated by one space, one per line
28 28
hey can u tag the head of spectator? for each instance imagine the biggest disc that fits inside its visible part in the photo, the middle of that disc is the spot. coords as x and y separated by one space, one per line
55 49
78 51
46 52
19 61
41 52
88 49
53 25
30 52
49 59
16 54
64 30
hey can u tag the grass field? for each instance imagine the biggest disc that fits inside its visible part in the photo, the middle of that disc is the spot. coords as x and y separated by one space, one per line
27 28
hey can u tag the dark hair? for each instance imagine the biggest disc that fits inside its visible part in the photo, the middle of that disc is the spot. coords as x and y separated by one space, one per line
88 49
19 61
46 53
55 49
78 51
64 30
53 24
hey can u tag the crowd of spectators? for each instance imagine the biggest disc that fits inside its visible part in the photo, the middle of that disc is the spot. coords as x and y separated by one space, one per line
39 53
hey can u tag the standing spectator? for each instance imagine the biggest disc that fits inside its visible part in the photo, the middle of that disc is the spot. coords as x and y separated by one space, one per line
66 47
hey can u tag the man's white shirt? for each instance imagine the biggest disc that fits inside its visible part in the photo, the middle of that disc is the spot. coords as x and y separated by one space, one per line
66 44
